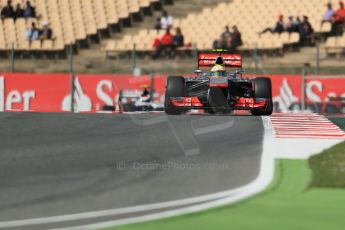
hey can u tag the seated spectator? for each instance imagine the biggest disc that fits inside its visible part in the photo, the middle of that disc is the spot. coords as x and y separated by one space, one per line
298 21
279 27
224 39
7 11
156 41
338 20
235 40
293 26
29 10
158 24
178 41
306 30
19 12
33 33
166 21
46 33
165 44
340 13
328 15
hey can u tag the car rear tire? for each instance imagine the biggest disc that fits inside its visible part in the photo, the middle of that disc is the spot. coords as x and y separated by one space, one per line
263 89
175 88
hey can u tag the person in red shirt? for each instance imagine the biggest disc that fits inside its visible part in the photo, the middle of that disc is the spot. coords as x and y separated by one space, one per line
165 44
167 38
339 20
340 13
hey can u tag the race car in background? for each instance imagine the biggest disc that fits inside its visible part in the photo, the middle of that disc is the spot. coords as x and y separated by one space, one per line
131 100
218 91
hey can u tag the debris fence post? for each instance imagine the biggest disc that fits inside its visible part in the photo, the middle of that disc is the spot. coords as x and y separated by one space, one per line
195 57
12 70
72 76
133 57
256 60
303 88
317 69
152 85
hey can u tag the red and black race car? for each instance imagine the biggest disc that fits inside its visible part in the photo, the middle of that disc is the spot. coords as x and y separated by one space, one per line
218 91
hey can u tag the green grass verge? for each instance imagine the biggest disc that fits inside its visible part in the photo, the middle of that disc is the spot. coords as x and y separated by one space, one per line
339 121
288 203
329 167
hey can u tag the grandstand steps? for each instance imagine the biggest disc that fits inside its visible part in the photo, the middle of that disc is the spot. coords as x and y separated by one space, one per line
180 9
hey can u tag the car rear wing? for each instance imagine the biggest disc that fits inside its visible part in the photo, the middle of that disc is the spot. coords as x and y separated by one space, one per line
209 59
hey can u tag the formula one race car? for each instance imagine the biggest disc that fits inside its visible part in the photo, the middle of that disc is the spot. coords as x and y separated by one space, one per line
135 100
218 91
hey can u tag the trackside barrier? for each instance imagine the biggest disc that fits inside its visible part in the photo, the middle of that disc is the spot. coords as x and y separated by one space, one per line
25 92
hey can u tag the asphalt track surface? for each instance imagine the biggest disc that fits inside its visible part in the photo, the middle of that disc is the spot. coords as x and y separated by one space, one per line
56 164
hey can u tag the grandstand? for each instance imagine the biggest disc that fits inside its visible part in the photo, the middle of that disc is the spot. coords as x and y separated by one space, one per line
335 45
73 22
250 16
86 22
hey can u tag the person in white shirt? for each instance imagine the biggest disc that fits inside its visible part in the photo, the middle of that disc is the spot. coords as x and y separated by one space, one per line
32 33
166 21
328 15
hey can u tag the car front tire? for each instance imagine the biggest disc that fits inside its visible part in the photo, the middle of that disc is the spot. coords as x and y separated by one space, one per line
263 89
175 88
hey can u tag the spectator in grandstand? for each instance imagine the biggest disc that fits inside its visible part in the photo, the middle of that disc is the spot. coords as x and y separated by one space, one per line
166 21
46 33
340 13
156 41
306 31
178 38
19 12
298 21
293 25
29 10
33 33
290 25
235 40
224 39
225 36
328 15
339 20
178 41
7 11
279 27
158 24
165 44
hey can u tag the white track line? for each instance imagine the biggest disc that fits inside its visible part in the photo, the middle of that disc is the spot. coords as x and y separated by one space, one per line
113 212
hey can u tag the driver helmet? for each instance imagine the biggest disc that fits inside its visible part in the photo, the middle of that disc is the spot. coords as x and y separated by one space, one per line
218 71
